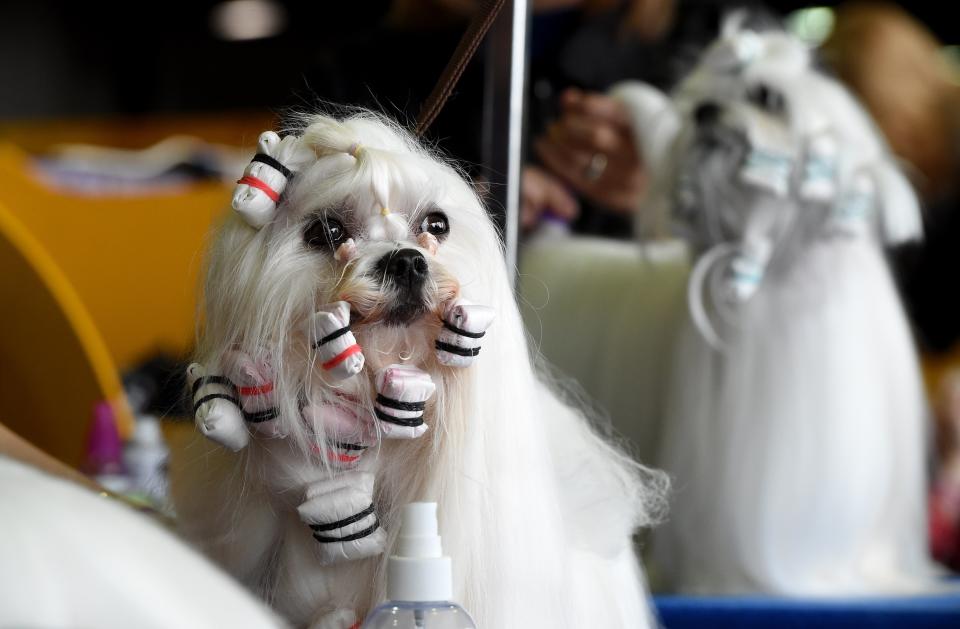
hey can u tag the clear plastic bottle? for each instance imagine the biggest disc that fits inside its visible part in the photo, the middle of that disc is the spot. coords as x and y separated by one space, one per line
145 457
419 578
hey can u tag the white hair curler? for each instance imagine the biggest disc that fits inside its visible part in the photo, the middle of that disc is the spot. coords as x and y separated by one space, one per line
253 383
854 213
464 324
216 408
346 436
402 394
329 332
342 516
820 170
258 192
768 166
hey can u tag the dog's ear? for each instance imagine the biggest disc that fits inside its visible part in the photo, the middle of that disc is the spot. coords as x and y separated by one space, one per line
654 119
898 207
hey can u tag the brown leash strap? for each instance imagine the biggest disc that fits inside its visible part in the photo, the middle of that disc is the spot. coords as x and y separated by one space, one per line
467 47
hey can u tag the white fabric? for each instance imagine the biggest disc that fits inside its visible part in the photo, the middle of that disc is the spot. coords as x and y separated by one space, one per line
72 558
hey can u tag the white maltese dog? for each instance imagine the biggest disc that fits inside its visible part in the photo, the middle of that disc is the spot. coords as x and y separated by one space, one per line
346 305
795 433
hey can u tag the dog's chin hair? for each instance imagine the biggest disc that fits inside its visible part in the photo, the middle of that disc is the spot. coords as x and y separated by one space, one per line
405 313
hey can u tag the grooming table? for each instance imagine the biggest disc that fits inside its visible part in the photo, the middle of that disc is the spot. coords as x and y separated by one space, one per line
762 612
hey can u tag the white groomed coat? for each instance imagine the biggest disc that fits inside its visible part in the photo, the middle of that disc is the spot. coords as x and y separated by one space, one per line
535 508
795 435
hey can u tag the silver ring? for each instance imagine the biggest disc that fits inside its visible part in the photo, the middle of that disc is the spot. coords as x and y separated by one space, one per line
596 167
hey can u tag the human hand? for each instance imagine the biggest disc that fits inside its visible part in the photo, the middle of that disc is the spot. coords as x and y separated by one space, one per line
591 147
541 192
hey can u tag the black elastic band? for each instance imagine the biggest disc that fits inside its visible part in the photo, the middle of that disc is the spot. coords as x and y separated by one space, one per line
333 335
260 416
459 351
269 161
347 446
462 332
398 405
400 421
348 538
215 396
212 380
344 522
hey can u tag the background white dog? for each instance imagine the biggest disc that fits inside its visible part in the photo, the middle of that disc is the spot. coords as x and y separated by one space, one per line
795 434
351 235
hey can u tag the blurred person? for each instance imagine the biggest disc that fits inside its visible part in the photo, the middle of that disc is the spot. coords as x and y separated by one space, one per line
591 148
582 138
584 44
543 194
567 39
896 66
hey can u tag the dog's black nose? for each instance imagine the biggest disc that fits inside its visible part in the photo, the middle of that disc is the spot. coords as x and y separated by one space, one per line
407 268
706 113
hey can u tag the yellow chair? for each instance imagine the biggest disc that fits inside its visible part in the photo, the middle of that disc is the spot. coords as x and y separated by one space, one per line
54 364
133 261
93 283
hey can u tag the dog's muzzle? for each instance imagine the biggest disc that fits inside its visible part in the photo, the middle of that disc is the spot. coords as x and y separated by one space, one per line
406 272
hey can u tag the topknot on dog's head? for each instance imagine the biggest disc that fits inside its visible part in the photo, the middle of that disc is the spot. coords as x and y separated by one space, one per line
356 133
354 141
379 165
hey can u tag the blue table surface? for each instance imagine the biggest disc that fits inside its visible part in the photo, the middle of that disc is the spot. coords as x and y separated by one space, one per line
748 612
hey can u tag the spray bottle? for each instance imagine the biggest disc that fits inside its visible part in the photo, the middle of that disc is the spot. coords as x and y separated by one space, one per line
419 578
145 457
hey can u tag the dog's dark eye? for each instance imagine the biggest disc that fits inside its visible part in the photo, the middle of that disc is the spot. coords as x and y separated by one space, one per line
435 223
767 99
325 232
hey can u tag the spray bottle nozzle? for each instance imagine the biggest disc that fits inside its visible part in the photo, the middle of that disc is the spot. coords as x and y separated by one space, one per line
418 571
419 537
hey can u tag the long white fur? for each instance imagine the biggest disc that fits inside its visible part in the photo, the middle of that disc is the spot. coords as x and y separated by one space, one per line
795 432
536 509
